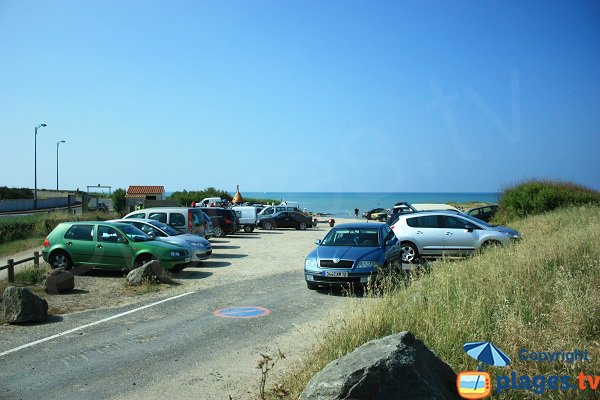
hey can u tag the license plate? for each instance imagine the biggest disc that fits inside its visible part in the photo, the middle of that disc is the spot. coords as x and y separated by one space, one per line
336 274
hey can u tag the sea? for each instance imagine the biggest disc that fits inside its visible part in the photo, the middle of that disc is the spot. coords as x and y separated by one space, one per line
343 204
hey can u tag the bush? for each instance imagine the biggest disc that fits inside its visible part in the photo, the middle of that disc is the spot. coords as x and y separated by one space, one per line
539 196
17 228
186 198
15 193
119 201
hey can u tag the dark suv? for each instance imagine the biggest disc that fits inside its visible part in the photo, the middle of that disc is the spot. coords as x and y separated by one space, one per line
224 220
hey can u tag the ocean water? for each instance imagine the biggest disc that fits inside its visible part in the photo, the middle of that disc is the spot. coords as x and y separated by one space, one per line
343 204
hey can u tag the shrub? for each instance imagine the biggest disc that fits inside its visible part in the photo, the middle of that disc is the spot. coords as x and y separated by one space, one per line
186 198
119 201
17 228
539 196
15 193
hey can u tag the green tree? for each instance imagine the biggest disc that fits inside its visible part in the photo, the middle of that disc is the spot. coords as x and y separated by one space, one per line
119 201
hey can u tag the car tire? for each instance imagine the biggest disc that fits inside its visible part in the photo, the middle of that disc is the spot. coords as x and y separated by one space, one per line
268 226
218 232
312 286
141 260
409 253
60 259
302 226
248 229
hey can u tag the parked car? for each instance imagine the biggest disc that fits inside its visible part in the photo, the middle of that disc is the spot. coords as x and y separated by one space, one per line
247 216
484 213
431 234
208 226
368 214
186 219
198 247
271 210
352 253
224 220
286 219
109 245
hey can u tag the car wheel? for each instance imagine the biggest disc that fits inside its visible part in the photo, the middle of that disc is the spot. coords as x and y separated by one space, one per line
248 229
268 226
302 226
312 286
409 252
60 259
141 260
218 232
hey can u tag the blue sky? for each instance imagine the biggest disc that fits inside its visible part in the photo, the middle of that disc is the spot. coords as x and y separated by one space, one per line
385 96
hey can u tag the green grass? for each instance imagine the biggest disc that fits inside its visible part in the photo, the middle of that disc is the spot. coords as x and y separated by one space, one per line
540 294
9 248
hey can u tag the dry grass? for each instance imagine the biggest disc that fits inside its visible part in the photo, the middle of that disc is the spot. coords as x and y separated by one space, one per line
540 294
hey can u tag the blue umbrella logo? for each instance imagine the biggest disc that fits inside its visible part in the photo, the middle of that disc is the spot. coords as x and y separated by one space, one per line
487 353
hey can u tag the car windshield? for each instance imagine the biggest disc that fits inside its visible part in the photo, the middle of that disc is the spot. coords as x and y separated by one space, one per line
477 220
362 237
169 230
133 233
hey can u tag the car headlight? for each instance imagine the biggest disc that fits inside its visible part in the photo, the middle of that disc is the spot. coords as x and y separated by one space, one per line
368 264
310 263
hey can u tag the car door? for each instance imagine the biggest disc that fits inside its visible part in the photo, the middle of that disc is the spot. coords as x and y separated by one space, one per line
112 248
427 233
283 220
79 241
457 239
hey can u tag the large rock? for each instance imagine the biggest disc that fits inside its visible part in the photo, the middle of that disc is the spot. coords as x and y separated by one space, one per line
394 367
20 305
58 280
151 271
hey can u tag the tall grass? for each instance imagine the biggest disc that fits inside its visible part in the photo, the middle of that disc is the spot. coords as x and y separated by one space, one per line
539 294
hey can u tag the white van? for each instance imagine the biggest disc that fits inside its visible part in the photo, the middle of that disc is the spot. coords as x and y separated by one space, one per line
247 216
216 201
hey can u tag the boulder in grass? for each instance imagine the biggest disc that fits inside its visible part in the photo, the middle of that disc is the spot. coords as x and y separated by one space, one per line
20 305
151 271
58 281
395 367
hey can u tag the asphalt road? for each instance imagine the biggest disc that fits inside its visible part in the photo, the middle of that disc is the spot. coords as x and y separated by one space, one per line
146 352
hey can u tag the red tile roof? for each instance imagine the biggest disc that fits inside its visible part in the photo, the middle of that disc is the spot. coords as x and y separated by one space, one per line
142 191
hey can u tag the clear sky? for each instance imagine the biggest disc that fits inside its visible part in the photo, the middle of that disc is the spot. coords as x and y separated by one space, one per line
382 96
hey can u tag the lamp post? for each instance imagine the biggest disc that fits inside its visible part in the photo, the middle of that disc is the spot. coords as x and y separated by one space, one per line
35 165
57 143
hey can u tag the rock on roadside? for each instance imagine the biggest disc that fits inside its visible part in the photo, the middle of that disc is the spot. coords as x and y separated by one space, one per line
20 305
151 271
58 280
395 367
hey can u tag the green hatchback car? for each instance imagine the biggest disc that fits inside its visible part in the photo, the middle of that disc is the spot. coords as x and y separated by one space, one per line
109 245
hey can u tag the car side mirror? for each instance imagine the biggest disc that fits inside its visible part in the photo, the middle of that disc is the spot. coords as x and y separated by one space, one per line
318 241
123 240
469 228
152 235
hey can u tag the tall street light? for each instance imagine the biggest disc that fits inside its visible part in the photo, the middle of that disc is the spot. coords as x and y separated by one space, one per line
57 143
35 164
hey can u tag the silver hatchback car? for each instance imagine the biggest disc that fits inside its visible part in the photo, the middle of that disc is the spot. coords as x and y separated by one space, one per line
431 234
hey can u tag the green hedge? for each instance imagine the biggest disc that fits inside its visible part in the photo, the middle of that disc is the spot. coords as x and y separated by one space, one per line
17 228
539 196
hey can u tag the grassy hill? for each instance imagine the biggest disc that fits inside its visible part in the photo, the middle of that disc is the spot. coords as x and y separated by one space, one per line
540 294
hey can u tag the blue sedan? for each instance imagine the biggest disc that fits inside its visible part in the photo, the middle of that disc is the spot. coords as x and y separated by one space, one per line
351 254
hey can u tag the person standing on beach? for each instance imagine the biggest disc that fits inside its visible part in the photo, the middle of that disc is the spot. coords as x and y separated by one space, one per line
356 213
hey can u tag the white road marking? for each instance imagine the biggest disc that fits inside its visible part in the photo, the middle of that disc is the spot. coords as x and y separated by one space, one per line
90 324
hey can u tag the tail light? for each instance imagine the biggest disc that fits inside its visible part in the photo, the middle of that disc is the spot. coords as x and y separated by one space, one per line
392 227
46 243
189 220
228 221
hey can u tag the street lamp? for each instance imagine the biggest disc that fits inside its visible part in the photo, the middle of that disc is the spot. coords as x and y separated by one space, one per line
35 165
57 143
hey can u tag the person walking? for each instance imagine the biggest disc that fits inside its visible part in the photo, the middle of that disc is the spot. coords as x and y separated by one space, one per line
356 213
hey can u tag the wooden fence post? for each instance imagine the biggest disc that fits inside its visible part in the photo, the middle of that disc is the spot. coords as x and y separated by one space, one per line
11 271
36 260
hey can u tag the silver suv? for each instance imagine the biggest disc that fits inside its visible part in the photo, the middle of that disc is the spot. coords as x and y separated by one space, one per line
431 234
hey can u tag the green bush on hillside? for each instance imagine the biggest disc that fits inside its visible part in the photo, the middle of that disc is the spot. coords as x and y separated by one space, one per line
539 196
15 193
186 198
17 228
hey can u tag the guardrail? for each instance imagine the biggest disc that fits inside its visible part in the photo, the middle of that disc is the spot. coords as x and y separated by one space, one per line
11 265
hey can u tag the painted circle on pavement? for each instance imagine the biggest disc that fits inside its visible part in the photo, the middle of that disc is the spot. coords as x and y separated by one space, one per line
241 312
